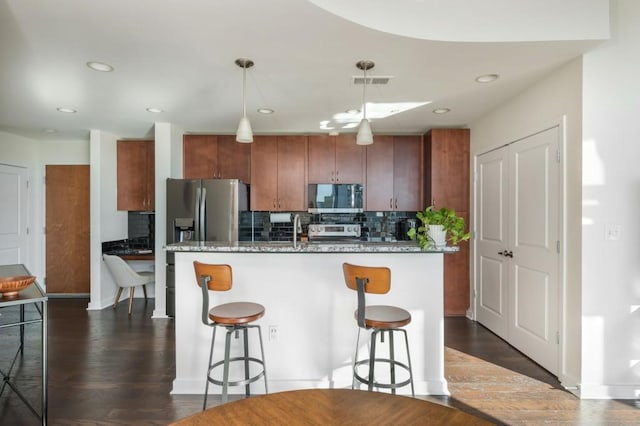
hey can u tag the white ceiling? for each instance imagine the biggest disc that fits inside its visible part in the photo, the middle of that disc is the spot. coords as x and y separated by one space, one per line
179 56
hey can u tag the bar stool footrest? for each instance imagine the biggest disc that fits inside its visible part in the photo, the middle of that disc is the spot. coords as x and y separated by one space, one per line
244 381
365 380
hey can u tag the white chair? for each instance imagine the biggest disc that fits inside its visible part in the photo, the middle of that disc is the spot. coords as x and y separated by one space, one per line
125 276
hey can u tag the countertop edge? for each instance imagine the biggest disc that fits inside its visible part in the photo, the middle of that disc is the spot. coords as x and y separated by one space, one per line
271 247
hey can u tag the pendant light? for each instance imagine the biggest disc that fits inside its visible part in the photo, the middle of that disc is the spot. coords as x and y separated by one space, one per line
244 133
365 136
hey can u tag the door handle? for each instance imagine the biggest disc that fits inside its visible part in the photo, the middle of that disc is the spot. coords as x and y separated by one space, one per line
506 253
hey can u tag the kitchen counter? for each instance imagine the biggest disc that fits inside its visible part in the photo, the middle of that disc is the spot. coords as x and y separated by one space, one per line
304 247
306 300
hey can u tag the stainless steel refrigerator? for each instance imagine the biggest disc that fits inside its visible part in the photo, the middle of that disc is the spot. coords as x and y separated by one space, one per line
201 210
204 209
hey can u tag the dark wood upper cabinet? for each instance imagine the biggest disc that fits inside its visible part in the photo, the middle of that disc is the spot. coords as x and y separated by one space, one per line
394 174
292 152
447 164
379 185
136 175
278 173
335 159
215 157
407 173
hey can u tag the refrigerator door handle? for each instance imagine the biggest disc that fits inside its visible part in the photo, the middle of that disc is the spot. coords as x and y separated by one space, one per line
203 217
196 215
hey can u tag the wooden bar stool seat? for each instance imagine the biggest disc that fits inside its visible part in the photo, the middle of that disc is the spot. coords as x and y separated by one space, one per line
379 319
235 317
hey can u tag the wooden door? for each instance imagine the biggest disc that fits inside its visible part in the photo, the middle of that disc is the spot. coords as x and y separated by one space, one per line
349 160
14 215
67 229
234 159
199 156
322 159
379 186
264 173
407 173
292 151
136 175
447 168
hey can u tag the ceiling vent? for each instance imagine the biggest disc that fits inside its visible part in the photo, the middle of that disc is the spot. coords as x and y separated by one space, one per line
376 80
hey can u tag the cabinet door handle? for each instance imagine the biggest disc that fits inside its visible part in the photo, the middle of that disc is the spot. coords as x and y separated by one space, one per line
390 203
396 204
337 178
274 203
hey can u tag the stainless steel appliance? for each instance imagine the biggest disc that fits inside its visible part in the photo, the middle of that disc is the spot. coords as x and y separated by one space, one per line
335 198
334 231
204 209
201 210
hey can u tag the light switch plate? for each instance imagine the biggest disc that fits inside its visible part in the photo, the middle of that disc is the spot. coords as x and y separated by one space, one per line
612 232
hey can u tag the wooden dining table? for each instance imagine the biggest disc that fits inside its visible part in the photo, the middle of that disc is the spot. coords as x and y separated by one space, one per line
331 407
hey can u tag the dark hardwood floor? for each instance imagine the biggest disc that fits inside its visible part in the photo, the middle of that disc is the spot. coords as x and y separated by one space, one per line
108 368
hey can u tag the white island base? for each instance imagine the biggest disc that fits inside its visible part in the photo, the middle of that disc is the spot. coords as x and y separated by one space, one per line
306 299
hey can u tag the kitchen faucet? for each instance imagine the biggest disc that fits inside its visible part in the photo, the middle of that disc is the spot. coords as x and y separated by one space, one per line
297 228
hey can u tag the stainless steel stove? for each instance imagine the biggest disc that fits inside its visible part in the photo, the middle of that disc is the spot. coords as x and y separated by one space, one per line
334 231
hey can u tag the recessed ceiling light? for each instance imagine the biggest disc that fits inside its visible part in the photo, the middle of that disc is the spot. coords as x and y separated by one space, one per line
265 110
155 110
353 111
49 130
487 78
99 66
67 110
441 110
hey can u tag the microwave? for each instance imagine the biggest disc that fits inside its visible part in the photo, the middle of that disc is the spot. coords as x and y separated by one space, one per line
335 198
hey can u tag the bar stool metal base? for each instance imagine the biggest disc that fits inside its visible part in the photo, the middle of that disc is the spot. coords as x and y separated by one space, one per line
369 380
227 361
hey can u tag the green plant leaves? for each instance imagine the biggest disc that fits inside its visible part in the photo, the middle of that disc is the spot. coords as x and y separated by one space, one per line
452 223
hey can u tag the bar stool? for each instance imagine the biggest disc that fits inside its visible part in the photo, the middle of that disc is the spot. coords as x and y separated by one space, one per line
380 319
235 317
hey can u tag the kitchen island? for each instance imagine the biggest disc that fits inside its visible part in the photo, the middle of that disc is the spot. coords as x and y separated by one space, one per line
311 310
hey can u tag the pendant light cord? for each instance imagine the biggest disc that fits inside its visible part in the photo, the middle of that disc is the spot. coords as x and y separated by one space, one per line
364 95
244 90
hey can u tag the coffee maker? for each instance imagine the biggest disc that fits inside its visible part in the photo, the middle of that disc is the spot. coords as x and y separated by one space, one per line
402 227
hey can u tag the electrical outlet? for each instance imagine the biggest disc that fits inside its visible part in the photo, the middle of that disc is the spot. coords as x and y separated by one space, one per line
273 333
612 232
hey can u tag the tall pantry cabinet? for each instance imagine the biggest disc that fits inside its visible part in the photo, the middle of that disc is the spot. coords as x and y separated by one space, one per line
446 183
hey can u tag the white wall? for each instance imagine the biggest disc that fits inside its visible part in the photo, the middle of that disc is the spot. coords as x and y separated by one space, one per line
611 196
23 152
168 162
35 155
543 105
106 222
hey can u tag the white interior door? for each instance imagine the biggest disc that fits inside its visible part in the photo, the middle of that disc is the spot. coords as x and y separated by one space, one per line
517 245
534 241
14 189
491 240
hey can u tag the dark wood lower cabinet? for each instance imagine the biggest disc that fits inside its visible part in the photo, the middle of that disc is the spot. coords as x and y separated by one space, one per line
456 282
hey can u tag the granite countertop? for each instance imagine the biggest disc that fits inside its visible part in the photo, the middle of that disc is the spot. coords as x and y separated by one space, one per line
304 247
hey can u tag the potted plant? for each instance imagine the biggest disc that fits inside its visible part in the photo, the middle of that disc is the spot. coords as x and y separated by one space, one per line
437 227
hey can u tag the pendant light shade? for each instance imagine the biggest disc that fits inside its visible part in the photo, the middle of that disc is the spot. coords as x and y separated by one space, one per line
244 134
365 135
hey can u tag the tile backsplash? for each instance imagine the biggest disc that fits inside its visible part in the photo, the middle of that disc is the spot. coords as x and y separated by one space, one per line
376 226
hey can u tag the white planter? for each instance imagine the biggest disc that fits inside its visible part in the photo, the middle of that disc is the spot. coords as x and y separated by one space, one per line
437 235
